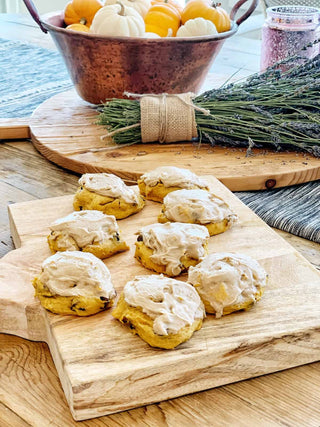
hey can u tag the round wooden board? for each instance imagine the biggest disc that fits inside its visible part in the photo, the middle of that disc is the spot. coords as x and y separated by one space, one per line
63 130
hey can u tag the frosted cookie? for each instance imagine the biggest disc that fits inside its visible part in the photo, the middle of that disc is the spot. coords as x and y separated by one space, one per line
74 283
197 207
164 312
171 248
107 193
87 231
228 282
155 185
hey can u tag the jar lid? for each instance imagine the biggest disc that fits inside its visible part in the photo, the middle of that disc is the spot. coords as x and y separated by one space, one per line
293 16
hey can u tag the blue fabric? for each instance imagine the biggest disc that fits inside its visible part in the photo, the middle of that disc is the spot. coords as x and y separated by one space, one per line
29 75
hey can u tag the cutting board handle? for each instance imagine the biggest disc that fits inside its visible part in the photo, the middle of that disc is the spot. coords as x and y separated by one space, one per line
17 128
20 313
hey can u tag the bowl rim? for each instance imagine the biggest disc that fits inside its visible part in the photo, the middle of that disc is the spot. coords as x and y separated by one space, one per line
128 39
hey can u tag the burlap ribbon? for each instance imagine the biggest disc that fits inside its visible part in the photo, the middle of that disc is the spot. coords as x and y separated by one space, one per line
167 118
163 118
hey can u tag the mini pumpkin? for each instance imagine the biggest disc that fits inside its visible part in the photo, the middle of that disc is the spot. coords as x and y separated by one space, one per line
118 20
207 10
197 27
173 3
78 27
151 36
81 11
161 18
141 6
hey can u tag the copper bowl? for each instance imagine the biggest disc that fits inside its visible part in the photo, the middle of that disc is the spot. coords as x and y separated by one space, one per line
103 67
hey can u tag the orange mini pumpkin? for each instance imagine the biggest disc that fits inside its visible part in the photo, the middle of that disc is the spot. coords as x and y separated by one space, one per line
81 11
207 10
173 3
162 19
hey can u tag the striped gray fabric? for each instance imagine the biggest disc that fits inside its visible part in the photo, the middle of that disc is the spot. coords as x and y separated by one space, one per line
22 88
294 209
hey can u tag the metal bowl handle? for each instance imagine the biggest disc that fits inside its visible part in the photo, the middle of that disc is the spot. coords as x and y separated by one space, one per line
34 13
246 15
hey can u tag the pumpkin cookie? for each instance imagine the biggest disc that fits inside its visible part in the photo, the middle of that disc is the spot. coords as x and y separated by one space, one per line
197 207
87 231
74 283
107 193
164 312
155 185
171 248
228 282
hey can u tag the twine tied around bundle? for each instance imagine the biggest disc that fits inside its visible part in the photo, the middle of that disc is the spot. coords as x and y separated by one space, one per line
165 117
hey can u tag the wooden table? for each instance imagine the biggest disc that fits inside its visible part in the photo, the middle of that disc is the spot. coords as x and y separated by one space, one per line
29 386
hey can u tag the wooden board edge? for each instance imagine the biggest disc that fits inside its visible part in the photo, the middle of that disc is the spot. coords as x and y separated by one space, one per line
13 228
59 364
275 180
15 128
214 375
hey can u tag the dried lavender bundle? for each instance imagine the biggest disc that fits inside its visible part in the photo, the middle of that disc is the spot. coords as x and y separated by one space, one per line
275 109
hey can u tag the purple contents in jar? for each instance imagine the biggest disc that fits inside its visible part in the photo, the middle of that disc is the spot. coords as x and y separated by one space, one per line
286 31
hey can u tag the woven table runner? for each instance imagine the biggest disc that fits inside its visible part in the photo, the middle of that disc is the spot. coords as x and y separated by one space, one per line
29 75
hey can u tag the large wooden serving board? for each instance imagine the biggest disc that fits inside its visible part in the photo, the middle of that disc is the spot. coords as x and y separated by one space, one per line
63 130
104 369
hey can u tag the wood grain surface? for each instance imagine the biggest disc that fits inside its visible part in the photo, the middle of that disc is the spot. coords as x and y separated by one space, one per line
263 401
63 130
104 369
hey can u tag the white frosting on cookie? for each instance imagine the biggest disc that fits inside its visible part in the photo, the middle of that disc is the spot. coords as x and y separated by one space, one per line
170 176
77 273
170 303
198 206
170 241
83 228
109 185
224 279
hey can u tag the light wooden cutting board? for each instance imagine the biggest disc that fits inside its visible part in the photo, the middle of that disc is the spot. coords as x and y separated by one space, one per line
104 369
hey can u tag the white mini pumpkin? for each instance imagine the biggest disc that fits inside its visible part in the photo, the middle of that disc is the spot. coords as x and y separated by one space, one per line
151 36
118 20
197 27
141 6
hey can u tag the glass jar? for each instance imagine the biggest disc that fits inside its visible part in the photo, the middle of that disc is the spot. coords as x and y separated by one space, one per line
286 31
